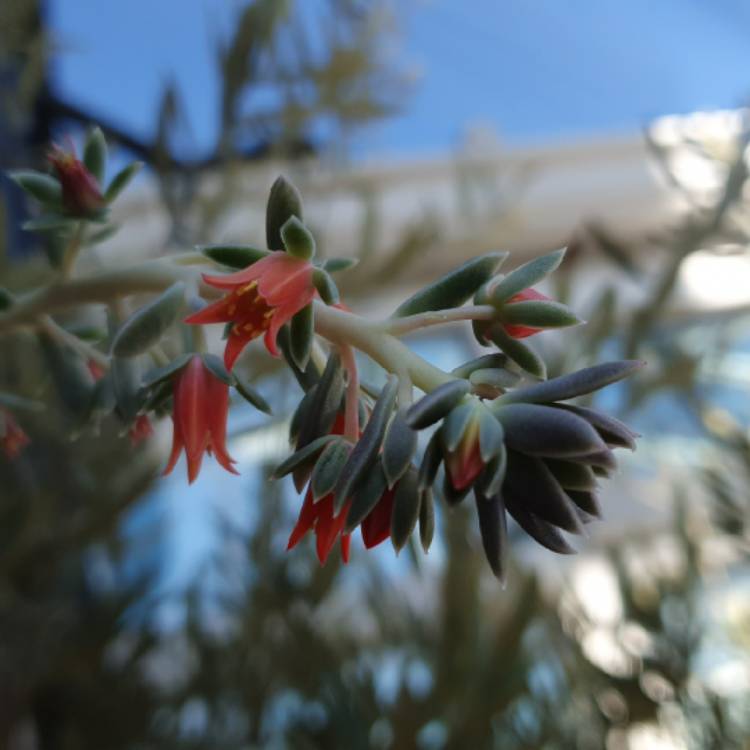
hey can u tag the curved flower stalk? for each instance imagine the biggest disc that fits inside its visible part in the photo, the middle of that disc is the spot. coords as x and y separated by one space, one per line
498 428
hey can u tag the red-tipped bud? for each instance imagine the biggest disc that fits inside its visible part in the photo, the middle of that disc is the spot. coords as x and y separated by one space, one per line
81 194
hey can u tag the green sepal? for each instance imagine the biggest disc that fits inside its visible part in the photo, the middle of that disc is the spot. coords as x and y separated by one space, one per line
284 201
160 374
454 288
328 468
297 238
326 287
251 395
233 256
49 223
436 404
215 365
574 384
399 445
522 354
491 435
491 480
301 336
42 187
366 497
366 450
539 314
306 378
493 529
95 153
337 265
406 501
426 518
300 416
303 455
120 180
431 459
525 276
146 326
456 424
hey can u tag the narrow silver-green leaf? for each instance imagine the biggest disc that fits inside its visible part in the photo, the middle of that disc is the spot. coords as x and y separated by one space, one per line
546 431
328 468
574 384
587 501
43 187
325 404
526 276
366 450
436 404
398 448
49 223
366 497
159 374
431 459
491 435
454 288
543 533
95 153
251 395
456 424
493 476
406 501
301 335
540 314
612 430
233 256
146 326
215 365
121 179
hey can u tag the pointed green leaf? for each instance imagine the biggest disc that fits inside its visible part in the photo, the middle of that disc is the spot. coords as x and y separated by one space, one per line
366 450
456 424
522 354
494 532
454 288
129 397
436 404
49 223
297 239
303 455
328 468
233 256
95 153
526 276
570 475
69 374
146 326
406 501
491 480
326 287
301 336
398 448
612 430
42 187
540 314
120 180
284 201
491 435
543 533
306 378
325 404
300 417
433 455
574 384
426 518
587 501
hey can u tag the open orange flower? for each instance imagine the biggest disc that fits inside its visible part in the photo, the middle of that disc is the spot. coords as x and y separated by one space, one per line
81 195
12 438
201 404
261 299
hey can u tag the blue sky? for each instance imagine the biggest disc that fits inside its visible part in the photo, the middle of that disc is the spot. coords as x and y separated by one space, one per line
533 69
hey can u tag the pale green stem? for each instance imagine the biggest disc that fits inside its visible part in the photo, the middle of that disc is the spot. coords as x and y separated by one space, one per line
400 326
83 348
71 251
351 406
342 327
